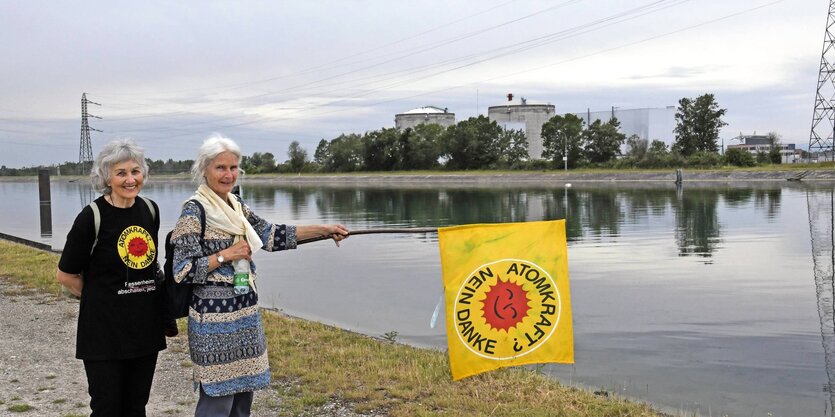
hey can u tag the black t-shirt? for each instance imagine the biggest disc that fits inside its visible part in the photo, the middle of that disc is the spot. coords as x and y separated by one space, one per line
120 315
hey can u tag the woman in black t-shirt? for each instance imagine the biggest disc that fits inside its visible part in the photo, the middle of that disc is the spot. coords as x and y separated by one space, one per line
109 260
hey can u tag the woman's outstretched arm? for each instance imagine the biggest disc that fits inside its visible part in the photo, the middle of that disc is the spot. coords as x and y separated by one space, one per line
337 232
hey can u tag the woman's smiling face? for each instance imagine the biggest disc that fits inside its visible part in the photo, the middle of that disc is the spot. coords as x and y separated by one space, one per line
222 173
126 180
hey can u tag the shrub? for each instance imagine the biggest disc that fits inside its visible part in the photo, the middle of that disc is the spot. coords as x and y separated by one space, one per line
739 157
534 165
704 159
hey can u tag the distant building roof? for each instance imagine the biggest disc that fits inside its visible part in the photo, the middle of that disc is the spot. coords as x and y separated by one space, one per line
521 101
754 139
426 110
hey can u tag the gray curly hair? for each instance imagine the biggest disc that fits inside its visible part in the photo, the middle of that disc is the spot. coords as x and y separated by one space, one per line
114 152
213 146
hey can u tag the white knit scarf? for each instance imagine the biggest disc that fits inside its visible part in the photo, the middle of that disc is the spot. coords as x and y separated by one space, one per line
228 218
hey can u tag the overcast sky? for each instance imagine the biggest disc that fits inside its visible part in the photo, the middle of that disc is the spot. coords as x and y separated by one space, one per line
266 73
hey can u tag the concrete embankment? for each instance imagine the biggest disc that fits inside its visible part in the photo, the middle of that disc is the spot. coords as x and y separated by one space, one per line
550 177
509 177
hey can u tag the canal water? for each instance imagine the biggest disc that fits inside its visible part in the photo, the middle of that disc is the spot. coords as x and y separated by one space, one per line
711 298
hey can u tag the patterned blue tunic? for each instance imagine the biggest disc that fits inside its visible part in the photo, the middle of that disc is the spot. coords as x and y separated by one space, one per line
225 335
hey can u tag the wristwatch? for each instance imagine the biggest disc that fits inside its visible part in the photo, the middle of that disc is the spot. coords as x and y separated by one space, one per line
219 258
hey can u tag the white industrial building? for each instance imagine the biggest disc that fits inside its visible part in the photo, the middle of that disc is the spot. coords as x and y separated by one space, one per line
755 144
648 123
424 115
529 116
525 115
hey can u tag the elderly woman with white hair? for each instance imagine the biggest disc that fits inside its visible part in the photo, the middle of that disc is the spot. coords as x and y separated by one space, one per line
213 241
109 260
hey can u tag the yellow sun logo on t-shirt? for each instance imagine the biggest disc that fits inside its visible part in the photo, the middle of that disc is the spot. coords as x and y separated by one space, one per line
136 247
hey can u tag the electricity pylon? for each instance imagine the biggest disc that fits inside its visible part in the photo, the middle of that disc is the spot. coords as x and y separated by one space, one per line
85 150
823 117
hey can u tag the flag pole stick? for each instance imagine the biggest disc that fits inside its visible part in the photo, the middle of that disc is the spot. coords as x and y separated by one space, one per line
374 231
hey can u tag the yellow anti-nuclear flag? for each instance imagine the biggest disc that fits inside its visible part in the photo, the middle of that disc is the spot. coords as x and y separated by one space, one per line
507 295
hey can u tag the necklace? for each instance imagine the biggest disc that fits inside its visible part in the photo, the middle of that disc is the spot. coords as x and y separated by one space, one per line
109 199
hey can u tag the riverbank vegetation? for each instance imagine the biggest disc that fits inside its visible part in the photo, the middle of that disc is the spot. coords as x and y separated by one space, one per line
32 267
314 364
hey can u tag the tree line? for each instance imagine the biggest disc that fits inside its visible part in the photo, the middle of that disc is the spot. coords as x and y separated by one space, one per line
480 144
74 168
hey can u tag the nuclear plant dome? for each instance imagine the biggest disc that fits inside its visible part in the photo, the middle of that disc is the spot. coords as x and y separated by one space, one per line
424 115
526 115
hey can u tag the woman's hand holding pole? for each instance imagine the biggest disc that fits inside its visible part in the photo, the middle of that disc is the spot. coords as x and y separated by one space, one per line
337 232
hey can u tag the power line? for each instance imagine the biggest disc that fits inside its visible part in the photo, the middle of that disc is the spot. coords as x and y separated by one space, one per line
436 68
386 59
352 56
644 40
639 11
37 145
506 50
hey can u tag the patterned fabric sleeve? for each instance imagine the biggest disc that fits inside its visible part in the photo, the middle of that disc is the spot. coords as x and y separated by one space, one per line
190 263
276 237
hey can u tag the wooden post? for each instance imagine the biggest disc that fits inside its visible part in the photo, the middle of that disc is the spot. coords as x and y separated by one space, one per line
46 202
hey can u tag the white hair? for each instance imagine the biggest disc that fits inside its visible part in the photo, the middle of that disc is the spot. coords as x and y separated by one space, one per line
213 146
114 152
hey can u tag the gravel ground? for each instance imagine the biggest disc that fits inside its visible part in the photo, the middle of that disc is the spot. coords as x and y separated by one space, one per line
38 368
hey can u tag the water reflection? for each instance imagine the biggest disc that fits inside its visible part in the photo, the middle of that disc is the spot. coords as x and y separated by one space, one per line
597 212
86 193
600 211
591 211
821 206
697 224
770 200
421 208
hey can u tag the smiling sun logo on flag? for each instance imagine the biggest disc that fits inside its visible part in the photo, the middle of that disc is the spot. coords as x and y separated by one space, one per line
506 309
506 305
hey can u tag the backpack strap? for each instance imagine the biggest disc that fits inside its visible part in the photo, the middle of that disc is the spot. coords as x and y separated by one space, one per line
97 218
202 217
150 207
96 223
